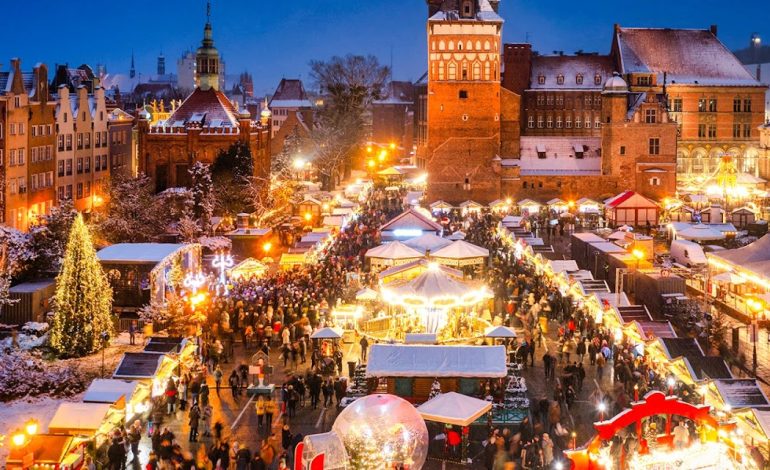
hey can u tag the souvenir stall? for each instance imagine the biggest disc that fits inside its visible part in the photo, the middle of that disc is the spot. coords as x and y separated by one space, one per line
47 451
133 396
391 254
250 268
454 412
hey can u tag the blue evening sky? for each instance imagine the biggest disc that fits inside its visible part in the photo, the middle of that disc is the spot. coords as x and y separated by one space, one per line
276 38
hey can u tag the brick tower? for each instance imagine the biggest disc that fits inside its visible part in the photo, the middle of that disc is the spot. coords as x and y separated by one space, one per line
462 154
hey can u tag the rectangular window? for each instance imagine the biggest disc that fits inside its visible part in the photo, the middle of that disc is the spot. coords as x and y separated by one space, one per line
79 191
549 100
560 100
1 130
736 131
587 101
549 122
540 100
80 141
12 158
1 161
33 154
702 130
69 167
21 128
655 146
60 192
21 156
578 123
33 182
736 105
88 140
541 154
98 140
650 116
712 105
747 105
12 128
540 122
568 122
69 141
702 105
22 185
531 122
746 131
87 164
597 122
644 80
712 131
677 108
622 149
597 101
34 131
60 168
80 165
87 190
558 122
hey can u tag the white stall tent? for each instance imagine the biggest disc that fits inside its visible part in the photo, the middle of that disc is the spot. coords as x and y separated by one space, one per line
454 408
78 418
110 390
499 332
326 333
399 360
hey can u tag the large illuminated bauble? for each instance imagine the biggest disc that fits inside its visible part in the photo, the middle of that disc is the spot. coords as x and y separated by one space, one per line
381 430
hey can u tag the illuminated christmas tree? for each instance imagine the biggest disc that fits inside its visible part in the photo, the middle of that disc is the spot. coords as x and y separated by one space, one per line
83 300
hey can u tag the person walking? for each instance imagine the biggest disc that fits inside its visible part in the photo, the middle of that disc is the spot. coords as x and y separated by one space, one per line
132 333
270 409
260 407
195 415
116 454
600 363
134 436
235 383
218 378
364 348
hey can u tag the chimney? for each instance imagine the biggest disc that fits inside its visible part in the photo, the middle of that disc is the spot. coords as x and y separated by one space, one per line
242 221
616 27
713 29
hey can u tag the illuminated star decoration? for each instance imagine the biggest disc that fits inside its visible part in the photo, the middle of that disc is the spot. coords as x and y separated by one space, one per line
193 281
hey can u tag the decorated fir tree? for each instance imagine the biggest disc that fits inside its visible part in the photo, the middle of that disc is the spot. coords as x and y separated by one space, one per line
83 300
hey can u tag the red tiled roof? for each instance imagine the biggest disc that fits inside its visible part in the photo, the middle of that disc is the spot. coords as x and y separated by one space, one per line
212 104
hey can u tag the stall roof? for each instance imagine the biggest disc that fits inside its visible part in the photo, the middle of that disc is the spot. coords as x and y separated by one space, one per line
422 265
588 237
32 286
461 249
110 390
753 257
327 333
73 417
399 360
46 449
393 250
563 265
657 329
741 393
681 347
454 408
708 367
499 332
631 313
420 338
411 220
427 242
138 252
141 365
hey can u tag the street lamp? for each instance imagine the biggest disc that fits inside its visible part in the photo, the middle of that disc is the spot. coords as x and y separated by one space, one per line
639 255
31 427
671 382
602 408
382 155
18 438
266 247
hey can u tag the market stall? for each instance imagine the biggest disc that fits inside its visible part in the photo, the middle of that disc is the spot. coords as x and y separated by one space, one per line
392 254
250 268
453 409
131 395
427 243
461 253
91 420
409 224
47 451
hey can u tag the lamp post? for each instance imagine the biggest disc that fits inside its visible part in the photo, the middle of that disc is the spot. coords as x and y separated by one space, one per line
602 408
105 338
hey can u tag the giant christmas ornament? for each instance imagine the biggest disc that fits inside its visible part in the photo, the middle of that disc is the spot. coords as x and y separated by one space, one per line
381 431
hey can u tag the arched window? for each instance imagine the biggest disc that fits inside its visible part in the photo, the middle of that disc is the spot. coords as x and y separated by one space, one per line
441 70
464 75
468 46
486 70
486 45
451 45
496 76
452 71
478 45
459 45
476 71
433 45
441 45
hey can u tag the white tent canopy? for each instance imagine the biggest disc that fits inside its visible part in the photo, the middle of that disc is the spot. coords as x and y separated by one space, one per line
326 333
729 277
700 232
399 360
458 235
393 251
563 265
435 288
367 294
499 332
461 250
427 242
454 408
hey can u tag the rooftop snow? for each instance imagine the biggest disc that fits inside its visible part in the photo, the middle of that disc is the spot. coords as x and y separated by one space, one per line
550 67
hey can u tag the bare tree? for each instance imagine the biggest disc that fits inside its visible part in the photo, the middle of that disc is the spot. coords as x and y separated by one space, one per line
270 199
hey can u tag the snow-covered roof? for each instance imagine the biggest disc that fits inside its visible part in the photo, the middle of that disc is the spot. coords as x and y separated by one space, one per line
78 418
450 11
207 107
31 286
138 252
579 72
560 155
563 265
400 360
393 250
460 249
411 220
110 390
499 332
454 408
687 56
326 333
741 393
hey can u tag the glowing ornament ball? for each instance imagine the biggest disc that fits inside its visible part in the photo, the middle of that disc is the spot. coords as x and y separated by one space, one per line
381 430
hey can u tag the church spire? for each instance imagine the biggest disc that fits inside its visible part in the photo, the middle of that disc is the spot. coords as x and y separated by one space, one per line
207 57
132 72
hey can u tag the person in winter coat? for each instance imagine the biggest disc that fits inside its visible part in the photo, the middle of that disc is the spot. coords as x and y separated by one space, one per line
206 413
204 394
218 378
243 459
285 437
257 463
260 408
267 453
270 409
116 454
235 383
195 415
134 436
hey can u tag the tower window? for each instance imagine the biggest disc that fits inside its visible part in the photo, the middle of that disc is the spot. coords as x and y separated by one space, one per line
622 149
560 79
541 79
579 79
655 146
597 79
463 94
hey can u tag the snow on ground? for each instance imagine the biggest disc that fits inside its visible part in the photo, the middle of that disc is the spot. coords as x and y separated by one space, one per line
14 414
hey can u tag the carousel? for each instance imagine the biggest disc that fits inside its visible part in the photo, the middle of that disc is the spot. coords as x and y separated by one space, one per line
437 301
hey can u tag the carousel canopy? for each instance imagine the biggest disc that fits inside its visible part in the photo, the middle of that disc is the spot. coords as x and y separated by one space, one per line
392 171
499 332
247 268
400 360
366 294
435 289
78 418
454 408
428 242
700 232
461 249
393 250
326 333
458 235
419 266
